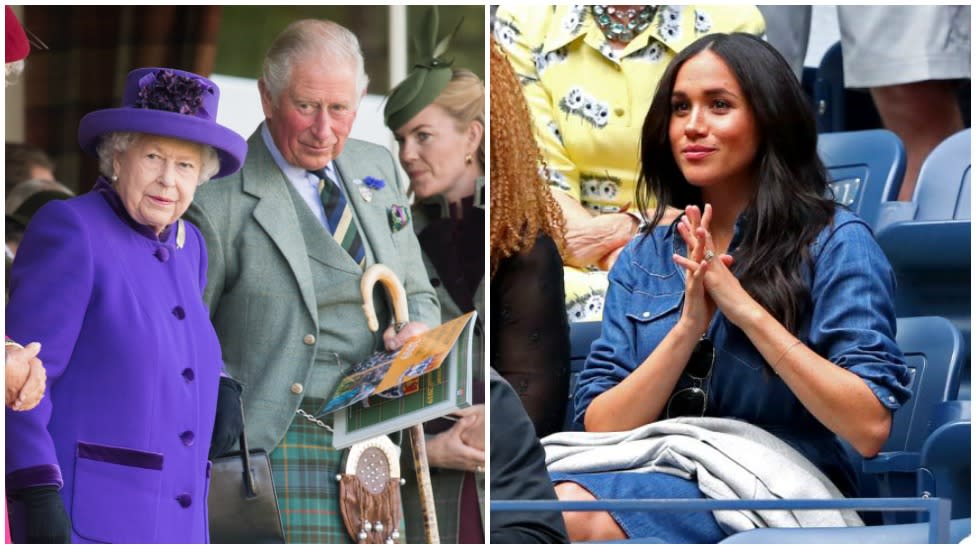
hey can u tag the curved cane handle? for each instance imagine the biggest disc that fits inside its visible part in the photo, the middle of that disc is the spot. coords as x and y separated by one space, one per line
381 273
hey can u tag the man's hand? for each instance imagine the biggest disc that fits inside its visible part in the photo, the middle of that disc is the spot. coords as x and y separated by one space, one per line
393 339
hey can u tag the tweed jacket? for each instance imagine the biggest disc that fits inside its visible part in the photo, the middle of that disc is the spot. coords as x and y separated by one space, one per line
260 288
132 363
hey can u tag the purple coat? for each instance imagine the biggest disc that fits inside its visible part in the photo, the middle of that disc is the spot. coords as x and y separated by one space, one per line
133 365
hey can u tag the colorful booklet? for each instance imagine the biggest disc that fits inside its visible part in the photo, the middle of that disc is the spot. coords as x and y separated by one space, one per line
429 377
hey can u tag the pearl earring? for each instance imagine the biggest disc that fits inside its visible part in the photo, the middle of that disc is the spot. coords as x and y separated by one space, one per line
115 178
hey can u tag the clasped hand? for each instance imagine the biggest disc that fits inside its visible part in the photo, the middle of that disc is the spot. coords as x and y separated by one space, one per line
25 378
709 284
462 446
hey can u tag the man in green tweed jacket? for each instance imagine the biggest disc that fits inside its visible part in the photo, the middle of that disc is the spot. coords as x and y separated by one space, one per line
283 292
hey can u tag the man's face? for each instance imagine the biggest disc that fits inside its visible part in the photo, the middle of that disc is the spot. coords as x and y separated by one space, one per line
314 113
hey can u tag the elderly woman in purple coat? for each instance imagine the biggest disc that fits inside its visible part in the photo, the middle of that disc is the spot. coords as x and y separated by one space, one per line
112 283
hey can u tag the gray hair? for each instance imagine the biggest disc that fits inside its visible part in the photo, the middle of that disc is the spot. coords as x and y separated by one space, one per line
117 142
326 40
14 68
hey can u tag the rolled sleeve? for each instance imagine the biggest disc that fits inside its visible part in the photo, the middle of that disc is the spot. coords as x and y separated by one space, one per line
853 323
612 356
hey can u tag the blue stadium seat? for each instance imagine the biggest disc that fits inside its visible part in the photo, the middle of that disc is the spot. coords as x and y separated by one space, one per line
934 351
865 169
837 108
581 336
927 240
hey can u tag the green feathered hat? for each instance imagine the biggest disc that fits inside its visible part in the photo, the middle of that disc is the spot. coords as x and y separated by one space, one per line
428 78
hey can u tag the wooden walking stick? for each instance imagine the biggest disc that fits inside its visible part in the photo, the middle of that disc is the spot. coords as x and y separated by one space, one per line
382 273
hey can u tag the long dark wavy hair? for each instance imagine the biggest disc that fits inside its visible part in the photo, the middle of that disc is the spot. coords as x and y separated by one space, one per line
789 207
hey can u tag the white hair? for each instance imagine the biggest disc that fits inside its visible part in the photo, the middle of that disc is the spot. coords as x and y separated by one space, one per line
117 142
14 68
310 38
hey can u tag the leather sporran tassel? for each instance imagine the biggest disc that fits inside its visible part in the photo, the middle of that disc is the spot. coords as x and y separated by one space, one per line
369 492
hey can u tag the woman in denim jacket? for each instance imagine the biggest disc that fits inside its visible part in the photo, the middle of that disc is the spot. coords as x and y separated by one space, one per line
765 302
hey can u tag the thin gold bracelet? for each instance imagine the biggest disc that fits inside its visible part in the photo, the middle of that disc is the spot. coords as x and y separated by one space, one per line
788 349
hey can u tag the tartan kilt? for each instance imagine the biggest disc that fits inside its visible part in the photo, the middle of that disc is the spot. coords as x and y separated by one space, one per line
304 466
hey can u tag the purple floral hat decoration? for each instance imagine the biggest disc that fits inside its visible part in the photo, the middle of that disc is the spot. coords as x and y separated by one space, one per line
170 103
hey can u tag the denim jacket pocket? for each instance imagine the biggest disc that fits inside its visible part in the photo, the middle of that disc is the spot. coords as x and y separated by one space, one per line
652 317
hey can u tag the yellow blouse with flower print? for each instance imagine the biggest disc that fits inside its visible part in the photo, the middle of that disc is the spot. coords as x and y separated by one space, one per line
588 101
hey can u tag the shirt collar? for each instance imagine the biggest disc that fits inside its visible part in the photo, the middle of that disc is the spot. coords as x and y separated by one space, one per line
104 188
571 23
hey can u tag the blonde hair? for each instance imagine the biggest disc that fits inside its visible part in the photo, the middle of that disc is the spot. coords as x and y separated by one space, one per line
464 100
521 205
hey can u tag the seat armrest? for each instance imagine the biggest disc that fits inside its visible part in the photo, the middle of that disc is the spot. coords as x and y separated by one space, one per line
946 244
892 462
894 212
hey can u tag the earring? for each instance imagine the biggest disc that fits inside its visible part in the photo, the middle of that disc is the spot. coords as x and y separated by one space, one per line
468 159
115 178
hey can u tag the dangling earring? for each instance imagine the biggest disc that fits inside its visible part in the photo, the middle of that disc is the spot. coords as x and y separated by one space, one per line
468 159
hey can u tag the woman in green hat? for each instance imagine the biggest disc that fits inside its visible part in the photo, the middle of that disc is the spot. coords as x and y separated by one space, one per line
438 116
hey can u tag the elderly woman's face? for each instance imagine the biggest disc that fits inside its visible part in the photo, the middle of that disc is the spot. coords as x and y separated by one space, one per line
434 152
157 177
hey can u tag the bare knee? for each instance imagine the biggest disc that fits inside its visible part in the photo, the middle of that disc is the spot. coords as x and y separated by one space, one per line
586 525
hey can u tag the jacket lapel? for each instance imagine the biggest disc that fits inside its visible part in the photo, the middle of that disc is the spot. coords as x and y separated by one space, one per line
372 215
274 213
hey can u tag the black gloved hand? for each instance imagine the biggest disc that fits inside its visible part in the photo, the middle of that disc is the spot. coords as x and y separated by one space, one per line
46 519
228 424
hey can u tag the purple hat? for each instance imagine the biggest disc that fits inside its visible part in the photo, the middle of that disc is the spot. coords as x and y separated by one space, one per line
171 103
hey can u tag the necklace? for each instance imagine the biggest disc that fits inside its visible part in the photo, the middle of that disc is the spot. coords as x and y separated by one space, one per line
622 25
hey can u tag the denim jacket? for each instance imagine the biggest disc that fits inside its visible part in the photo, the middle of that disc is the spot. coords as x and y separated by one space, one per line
850 321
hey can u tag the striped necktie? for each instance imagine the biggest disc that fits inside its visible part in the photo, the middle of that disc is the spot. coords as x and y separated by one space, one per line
339 219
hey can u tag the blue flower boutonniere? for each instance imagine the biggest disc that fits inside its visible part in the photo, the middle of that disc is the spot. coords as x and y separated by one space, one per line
367 185
374 183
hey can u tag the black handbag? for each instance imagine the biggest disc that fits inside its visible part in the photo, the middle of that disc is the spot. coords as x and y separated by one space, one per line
243 506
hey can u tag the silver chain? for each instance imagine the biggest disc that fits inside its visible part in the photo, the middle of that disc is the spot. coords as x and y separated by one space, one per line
314 420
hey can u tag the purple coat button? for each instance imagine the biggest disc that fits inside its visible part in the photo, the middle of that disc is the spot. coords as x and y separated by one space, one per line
188 374
187 438
162 254
185 500
179 313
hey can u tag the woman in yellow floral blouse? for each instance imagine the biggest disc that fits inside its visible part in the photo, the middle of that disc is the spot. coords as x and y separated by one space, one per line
588 74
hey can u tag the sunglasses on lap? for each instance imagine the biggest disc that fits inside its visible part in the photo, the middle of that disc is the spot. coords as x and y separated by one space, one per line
691 401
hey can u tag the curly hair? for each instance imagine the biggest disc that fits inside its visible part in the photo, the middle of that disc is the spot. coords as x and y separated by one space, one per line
521 204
